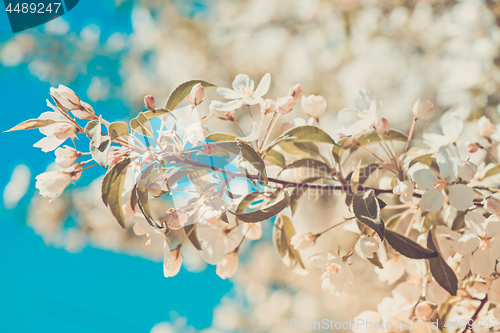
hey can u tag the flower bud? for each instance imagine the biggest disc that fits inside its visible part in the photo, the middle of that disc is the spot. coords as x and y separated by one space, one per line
285 105
196 95
127 209
423 108
423 309
85 111
303 240
196 133
286 127
382 126
148 157
348 142
492 205
176 220
313 106
472 147
367 246
149 102
66 97
64 131
172 264
485 127
76 170
296 91
404 189
252 231
466 170
268 106
66 157
155 189
52 184
228 265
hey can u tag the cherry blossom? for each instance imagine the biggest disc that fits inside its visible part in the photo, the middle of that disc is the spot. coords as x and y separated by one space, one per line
63 128
460 195
243 92
228 265
367 110
337 277
52 184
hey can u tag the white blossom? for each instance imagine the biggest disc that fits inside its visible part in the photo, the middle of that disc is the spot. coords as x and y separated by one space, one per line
363 116
303 240
228 265
243 91
314 106
337 277
52 184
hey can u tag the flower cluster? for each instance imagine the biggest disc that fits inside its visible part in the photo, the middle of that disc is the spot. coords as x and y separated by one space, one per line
430 214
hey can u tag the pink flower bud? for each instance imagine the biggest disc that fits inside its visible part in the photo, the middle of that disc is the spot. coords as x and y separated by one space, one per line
472 147
303 240
155 189
485 127
296 91
148 157
492 205
423 309
228 265
285 105
285 127
64 131
76 170
149 102
314 106
196 95
423 108
382 126
268 106
127 209
176 220
65 157
348 142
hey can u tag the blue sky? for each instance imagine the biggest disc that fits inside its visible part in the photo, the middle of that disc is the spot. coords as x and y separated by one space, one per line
45 289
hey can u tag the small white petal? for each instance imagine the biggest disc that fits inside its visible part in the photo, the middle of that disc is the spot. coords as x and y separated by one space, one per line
424 177
432 200
263 86
461 196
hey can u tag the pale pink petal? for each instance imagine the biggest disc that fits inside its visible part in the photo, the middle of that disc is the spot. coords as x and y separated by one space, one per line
461 196
432 200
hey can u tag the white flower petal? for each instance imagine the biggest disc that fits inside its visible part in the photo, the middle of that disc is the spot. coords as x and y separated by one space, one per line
228 106
461 196
475 222
48 143
362 99
432 200
467 243
228 93
483 263
423 178
242 80
263 86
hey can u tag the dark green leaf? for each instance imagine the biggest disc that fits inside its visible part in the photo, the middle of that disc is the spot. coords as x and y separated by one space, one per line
283 231
408 247
182 91
266 212
442 273
367 211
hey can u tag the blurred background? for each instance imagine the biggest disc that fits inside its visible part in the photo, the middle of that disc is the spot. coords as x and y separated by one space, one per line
68 266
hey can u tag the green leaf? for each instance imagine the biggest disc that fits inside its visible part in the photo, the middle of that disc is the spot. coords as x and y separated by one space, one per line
442 273
428 160
182 91
459 221
266 212
302 134
111 189
117 129
99 144
298 148
408 247
366 209
308 163
372 137
493 171
248 154
283 231
275 158
247 200
192 235
254 135
33 123
141 124
221 137
141 190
